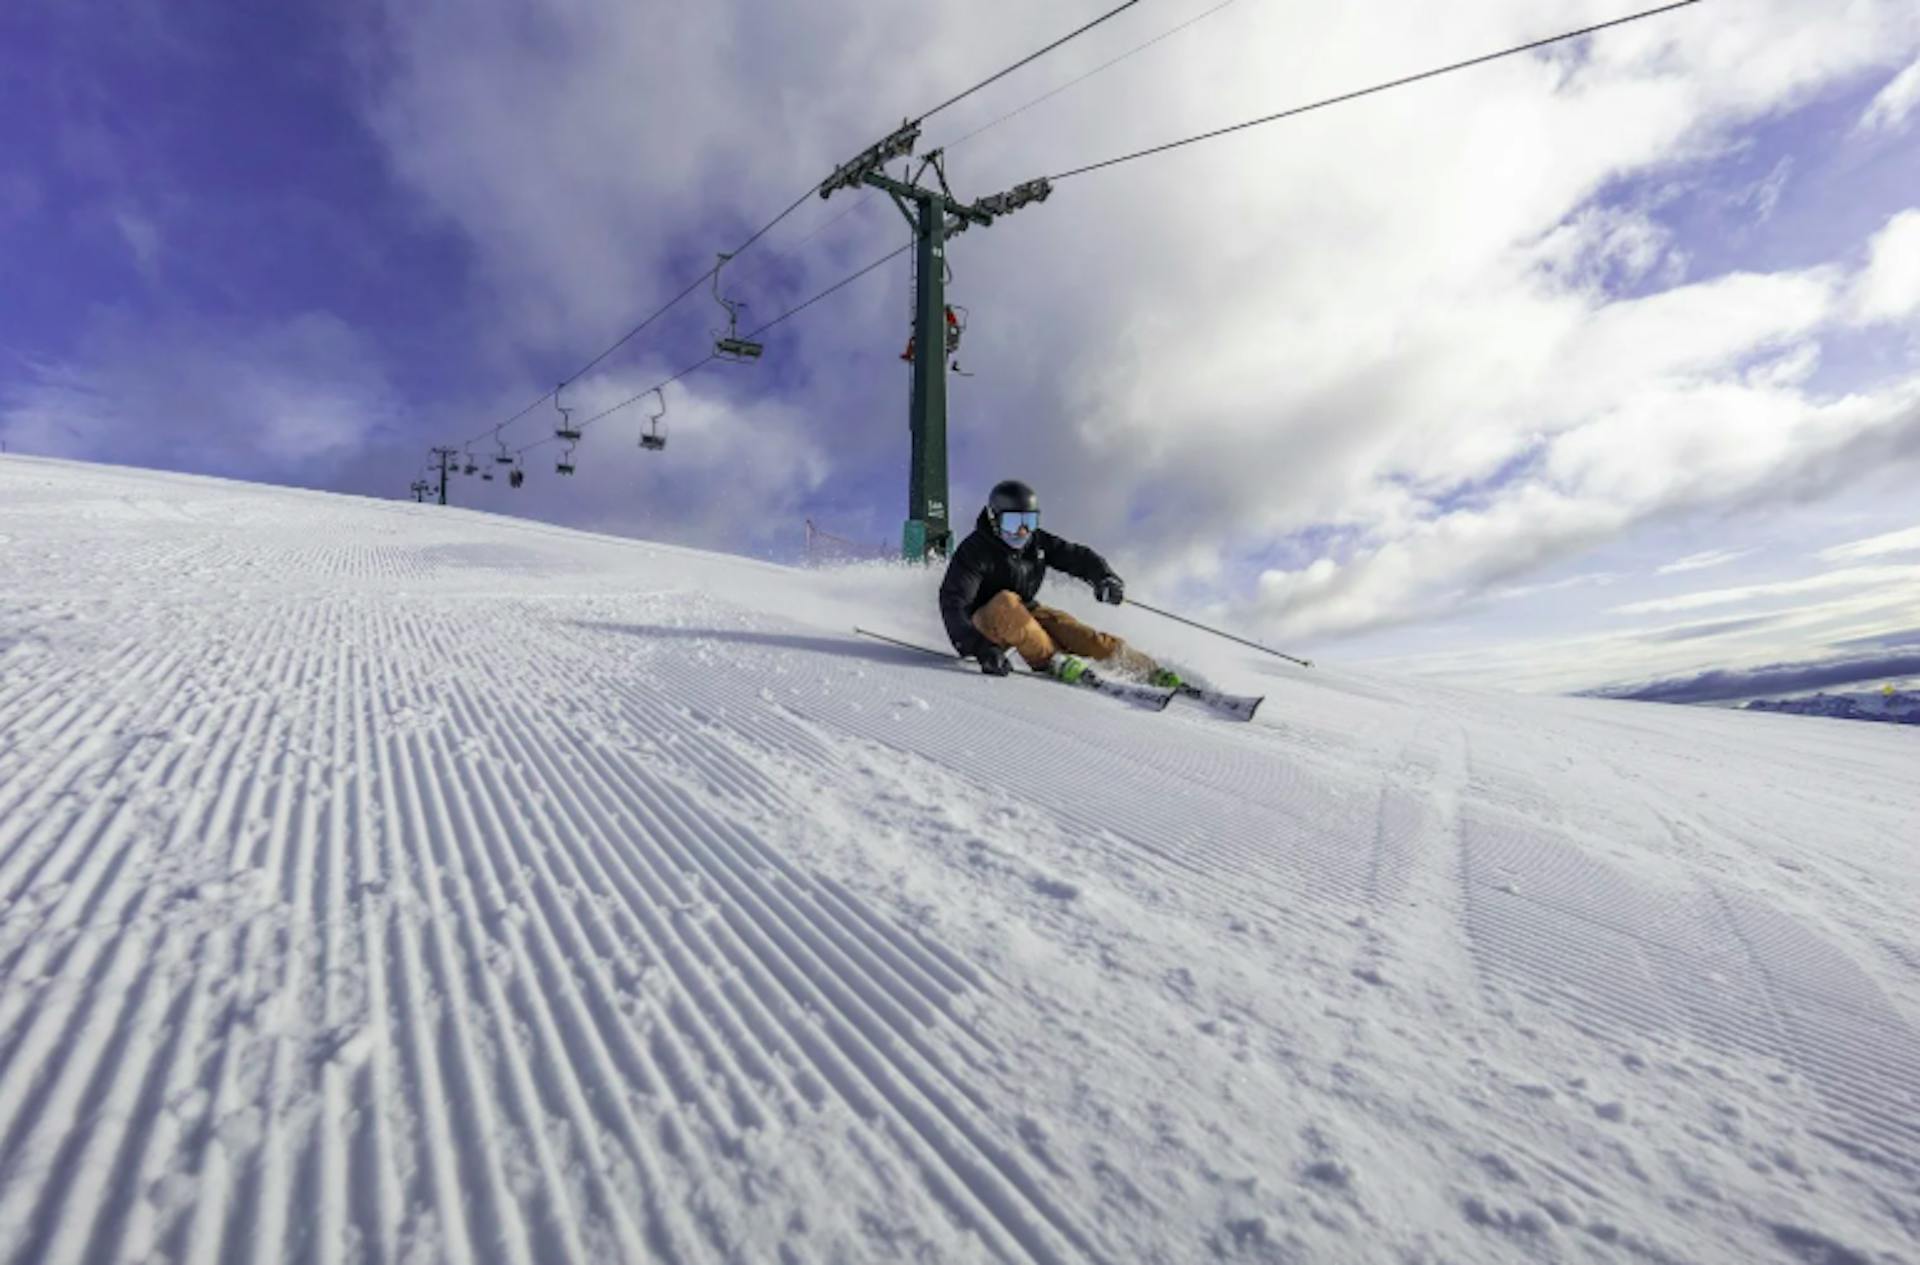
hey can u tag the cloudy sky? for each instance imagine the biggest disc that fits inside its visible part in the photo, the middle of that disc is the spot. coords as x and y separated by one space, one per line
1594 366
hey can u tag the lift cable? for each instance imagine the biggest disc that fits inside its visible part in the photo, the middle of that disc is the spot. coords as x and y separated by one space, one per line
710 357
1379 87
836 286
764 229
707 275
1030 57
867 197
653 316
1080 79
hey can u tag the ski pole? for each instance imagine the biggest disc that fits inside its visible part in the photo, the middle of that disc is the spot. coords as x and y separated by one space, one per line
905 645
1181 619
1028 675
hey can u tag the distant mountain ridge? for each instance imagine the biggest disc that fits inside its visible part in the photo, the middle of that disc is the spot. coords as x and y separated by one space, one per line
1900 707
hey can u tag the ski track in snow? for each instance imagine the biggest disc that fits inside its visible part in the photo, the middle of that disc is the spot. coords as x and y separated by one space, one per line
378 883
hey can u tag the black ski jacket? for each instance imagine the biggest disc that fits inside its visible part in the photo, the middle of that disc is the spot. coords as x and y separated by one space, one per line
983 567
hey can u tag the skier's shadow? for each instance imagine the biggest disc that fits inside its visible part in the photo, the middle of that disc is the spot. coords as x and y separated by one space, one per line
843 647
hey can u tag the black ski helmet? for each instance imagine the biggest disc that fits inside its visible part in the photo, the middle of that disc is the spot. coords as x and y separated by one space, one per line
1011 494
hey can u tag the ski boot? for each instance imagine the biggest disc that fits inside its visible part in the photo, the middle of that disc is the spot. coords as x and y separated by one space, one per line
1069 668
1165 679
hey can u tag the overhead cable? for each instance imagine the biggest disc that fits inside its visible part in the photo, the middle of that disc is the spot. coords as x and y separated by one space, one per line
1080 79
653 316
764 229
867 197
789 314
836 286
1030 57
1379 87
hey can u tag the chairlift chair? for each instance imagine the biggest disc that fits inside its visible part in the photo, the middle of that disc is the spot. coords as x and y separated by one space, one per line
503 457
566 430
515 476
730 346
565 464
651 439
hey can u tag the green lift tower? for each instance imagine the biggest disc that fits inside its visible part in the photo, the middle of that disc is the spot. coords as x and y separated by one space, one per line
935 215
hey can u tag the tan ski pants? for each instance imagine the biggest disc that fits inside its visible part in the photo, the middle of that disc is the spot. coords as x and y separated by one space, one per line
1036 633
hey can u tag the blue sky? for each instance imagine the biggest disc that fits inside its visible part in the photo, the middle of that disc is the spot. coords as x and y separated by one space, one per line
1449 370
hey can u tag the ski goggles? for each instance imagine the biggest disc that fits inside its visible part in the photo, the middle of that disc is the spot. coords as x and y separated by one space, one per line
1013 522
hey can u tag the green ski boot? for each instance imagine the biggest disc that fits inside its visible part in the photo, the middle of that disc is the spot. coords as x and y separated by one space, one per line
1068 668
1166 679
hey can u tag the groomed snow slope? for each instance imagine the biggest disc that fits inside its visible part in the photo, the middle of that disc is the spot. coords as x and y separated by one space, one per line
383 882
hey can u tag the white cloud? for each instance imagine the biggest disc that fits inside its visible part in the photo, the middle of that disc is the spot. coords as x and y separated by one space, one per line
298 396
142 237
1701 561
723 453
1890 107
1433 560
1655 417
1889 288
1396 326
598 154
1600 579
1611 245
1764 194
1804 628
1907 541
1850 578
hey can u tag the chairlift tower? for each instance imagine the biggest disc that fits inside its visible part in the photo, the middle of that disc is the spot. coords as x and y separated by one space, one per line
446 456
934 215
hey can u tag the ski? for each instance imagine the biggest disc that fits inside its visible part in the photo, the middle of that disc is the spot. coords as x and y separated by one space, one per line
1124 691
1238 706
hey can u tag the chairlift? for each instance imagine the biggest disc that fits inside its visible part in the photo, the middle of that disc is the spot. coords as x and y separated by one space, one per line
651 439
471 465
565 464
503 457
566 430
730 346
515 476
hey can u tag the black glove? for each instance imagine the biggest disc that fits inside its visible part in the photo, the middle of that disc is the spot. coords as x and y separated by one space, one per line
1110 589
993 661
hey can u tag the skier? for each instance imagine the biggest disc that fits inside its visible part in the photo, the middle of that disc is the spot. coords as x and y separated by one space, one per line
987 597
